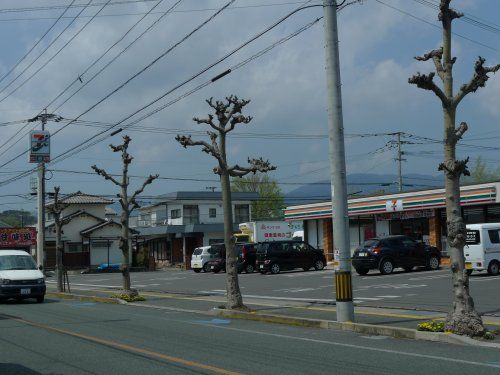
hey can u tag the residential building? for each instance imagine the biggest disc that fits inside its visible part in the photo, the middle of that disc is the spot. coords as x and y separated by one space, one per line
90 233
181 221
418 214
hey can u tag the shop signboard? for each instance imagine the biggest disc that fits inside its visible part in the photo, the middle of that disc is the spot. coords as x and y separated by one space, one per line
394 205
17 237
39 146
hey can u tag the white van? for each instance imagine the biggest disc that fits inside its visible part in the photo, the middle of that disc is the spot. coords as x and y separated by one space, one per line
201 255
482 248
19 276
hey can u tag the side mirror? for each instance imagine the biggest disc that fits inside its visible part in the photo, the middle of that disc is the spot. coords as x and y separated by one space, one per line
40 267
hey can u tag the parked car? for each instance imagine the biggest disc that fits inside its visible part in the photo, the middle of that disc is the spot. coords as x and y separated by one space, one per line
388 253
287 255
482 248
19 276
246 257
202 255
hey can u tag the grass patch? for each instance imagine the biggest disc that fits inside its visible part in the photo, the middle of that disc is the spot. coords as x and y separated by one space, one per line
128 298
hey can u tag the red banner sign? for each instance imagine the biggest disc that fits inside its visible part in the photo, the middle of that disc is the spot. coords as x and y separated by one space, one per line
15 237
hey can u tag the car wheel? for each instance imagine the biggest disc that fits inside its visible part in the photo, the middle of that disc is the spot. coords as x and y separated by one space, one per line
469 272
197 270
408 269
319 265
206 267
40 299
362 271
433 263
249 268
275 268
493 268
386 267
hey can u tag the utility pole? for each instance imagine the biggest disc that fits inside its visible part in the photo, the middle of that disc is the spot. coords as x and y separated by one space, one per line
40 238
400 159
342 253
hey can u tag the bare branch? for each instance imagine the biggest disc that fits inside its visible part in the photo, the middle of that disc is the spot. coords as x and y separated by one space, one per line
436 56
123 146
447 14
256 165
478 80
148 181
106 175
425 81
208 121
455 168
212 149
459 132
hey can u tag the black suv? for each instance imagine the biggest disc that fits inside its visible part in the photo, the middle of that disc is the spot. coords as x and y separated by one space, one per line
276 256
245 258
391 252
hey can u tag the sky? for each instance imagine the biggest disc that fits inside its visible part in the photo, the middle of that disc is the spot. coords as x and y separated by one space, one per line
286 86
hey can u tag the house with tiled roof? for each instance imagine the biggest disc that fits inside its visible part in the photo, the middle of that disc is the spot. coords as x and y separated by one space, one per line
90 235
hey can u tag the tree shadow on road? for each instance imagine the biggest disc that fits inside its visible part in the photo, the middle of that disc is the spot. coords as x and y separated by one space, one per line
16 369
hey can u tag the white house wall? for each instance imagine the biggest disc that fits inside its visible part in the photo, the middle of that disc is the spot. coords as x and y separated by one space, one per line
71 231
100 255
212 236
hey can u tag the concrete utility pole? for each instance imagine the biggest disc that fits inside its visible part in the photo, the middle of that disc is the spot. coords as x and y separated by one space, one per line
400 159
40 237
342 253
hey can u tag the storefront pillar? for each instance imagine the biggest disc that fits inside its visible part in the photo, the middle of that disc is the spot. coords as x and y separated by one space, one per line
435 230
328 239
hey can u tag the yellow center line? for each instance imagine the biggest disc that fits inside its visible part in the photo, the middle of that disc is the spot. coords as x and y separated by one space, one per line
130 348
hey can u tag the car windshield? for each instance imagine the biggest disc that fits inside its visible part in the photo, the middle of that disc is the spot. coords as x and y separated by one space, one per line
17 262
197 251
370 243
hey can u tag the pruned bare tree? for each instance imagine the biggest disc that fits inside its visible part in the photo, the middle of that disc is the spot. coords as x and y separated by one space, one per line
56 209
128 204
463 318
228 114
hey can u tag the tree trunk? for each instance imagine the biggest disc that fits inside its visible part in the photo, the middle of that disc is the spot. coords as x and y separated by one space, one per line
59 255
124 244
463 319
234 298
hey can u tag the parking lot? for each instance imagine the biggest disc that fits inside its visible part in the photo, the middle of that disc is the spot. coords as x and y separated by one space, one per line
420 289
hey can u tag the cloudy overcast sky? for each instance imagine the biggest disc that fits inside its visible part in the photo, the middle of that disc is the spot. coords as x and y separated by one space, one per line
378 40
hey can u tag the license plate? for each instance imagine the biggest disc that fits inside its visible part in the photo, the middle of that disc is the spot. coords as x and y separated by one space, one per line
362 254
26 291
468 265
261 266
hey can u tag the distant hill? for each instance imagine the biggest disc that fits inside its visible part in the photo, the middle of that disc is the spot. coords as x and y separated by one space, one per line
362 184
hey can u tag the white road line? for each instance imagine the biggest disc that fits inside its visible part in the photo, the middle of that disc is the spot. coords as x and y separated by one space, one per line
91 285
353 346
367 298
223 292
389 296
490 278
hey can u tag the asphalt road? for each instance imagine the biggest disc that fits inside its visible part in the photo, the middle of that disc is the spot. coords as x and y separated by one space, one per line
69 337
426 290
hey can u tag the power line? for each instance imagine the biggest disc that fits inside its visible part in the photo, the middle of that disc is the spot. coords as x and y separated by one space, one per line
87 81
436 26
37 43
165 53
55 7
73 19
55 55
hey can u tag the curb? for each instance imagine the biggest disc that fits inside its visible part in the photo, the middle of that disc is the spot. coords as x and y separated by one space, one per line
80 297
370 329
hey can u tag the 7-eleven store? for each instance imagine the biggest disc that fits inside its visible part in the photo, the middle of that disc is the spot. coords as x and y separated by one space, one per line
418 214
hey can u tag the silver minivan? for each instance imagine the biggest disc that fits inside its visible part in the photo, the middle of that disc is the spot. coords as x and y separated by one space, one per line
201 255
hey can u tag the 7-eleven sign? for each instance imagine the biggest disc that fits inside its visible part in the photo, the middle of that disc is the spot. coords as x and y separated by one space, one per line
39 146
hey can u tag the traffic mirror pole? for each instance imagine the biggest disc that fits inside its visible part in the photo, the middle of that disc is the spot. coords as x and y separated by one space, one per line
342 254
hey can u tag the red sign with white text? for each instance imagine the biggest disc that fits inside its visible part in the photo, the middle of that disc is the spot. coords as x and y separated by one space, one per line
15 237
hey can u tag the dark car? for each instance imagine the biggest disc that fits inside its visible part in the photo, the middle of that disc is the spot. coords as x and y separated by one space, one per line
276 256
391 252
245 260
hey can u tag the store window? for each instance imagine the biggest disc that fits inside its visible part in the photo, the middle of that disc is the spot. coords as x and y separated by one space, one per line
190 214
473 215
74 247
493 214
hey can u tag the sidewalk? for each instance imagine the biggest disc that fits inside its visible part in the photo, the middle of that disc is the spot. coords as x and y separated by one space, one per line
385 321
